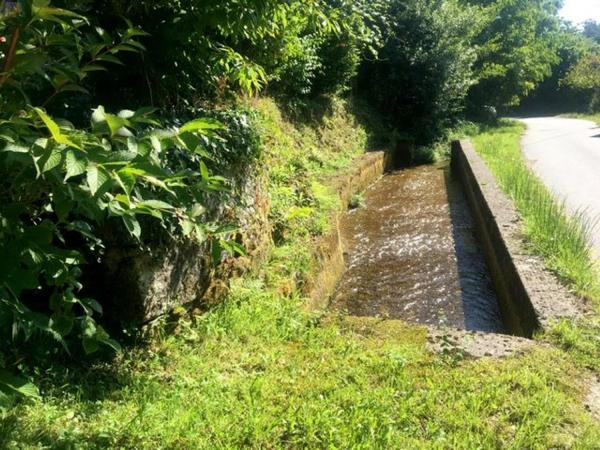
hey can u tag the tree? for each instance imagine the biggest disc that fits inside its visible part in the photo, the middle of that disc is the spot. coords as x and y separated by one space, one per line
585 76
553 94
517 49
426 66
591 30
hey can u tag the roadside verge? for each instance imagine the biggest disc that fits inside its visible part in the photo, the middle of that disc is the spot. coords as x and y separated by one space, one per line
530 296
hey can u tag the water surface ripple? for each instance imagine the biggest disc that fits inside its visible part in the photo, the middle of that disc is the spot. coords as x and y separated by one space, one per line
411 254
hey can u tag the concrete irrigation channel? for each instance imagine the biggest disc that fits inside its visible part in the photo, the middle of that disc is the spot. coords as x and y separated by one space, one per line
441 246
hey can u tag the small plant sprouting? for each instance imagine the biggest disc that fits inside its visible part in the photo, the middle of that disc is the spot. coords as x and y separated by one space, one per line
357 201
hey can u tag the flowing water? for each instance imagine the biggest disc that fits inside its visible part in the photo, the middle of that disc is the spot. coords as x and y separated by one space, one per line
411 254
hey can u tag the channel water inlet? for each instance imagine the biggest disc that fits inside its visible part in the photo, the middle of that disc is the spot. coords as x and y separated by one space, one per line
411 254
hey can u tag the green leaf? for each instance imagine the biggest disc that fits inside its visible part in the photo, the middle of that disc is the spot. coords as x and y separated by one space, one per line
15 148
74 164
13 385
109 58
96 177
156 204
126 180
90 345
197 210
74 88
132 32
103 337
62 323
99 115
115 123
93 335
200 233
48 13
92 304
201 125
204 171
55 129
187 226
126 114
155 143
146 176
233 247
51 159
94 68
132 225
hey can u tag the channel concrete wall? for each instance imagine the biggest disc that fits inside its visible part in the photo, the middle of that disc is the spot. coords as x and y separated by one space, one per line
530 297
329 251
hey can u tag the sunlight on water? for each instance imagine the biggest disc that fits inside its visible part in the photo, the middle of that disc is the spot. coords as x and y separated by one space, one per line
411 255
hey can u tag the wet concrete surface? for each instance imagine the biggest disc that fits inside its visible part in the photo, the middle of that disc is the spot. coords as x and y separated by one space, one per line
411 255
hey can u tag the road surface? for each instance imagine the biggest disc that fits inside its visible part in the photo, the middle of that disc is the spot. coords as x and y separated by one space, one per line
565 154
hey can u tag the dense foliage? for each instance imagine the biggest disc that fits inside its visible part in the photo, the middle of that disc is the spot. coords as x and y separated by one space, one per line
207 50
591 30
75 173
65 189
554 94
425 68
517 50
585 76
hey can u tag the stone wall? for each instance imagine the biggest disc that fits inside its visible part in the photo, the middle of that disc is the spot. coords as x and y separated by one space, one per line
140 285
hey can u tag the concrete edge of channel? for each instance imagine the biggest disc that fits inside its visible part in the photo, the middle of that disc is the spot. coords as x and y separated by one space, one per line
530 296
328 250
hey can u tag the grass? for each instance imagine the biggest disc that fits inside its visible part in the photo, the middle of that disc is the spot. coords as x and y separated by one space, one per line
592 117
559 237
260 372
552 233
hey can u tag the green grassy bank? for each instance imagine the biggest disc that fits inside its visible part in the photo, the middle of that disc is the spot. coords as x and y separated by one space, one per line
551 232
593 117
259 372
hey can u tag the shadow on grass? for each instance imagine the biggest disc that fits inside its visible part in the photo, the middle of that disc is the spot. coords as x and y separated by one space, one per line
40 436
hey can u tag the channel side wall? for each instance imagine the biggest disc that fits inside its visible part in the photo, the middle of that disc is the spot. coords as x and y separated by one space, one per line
329 251
530 297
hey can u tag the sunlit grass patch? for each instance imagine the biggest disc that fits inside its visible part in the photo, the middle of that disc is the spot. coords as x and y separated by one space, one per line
258 371
580 338
561 238
297 384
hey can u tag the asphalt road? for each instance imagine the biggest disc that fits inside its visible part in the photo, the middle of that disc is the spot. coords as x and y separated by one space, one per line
565 154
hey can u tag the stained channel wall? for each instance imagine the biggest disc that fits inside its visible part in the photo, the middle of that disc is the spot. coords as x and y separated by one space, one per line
530 297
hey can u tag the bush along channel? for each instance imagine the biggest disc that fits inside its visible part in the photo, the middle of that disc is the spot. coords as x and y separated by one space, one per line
233 224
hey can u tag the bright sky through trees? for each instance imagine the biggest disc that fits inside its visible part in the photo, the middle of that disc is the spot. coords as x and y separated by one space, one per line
578 11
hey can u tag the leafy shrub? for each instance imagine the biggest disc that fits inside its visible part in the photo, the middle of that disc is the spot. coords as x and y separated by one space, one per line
65 188
357 201
296 75
322 55
208 49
